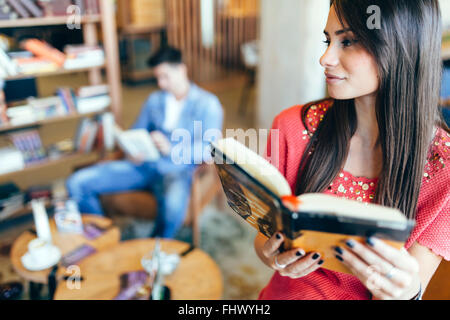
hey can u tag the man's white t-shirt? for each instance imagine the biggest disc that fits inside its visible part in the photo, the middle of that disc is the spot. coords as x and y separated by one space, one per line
173 111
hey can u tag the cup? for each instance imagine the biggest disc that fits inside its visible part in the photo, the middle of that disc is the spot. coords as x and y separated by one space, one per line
39 250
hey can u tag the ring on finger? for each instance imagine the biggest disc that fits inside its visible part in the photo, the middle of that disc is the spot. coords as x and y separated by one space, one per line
390 274
281 266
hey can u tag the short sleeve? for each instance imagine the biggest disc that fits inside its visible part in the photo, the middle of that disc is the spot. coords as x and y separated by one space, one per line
436 236
432 228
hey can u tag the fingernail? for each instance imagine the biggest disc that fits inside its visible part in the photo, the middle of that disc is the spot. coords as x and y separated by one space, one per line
299 253
339 258
350 244
370 241
320 262
316 256
338 250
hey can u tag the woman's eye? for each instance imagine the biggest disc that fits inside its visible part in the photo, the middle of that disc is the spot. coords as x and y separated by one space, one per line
327 42
347 43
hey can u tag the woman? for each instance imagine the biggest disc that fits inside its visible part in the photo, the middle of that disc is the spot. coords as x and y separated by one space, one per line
379 139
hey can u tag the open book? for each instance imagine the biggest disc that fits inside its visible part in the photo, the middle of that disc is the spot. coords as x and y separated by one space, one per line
255 189
137 143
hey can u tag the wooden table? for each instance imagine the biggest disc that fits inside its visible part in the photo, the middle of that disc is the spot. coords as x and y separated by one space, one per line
197 276
65 242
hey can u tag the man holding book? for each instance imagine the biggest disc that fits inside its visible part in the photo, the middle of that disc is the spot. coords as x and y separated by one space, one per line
180 106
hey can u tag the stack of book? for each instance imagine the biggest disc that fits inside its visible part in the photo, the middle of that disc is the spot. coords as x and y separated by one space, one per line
83 56
14 9
29 143
11 200
27 63
93 98
12 160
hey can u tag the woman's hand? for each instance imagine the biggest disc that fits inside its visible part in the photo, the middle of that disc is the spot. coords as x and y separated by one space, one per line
388 273
294 263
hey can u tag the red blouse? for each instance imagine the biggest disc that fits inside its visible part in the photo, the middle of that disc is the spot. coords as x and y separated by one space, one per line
432 228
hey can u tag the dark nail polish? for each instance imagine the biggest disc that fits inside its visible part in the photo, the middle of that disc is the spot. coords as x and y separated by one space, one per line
320 262
370 242
339 258
315 256
338 250
299 253
350 244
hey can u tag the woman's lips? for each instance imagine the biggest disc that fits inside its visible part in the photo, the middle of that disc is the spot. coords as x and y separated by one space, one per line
332 79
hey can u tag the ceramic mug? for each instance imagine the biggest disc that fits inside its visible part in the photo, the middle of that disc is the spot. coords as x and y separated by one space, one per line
39 250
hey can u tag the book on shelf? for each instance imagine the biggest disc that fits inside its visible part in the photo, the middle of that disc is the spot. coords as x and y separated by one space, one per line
34 65
86 135
48 107
93 98
44 50
18 7
258 193
12 160
67 96
29 143
83 56
11 200
137 143
32 8
93 91
8 66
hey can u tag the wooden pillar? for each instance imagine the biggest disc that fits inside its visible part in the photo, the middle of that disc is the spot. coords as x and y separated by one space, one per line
291 45
111 47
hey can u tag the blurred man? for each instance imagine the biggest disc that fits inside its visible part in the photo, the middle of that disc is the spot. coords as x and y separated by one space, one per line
179 105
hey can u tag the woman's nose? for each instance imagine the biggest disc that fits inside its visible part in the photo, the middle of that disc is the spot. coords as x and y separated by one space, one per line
330 58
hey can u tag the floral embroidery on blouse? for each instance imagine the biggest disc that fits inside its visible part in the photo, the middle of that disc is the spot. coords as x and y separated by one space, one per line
361 188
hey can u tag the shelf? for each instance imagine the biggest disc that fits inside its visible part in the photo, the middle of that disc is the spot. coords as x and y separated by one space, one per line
46 21
51 120
133 29
72 160
53 73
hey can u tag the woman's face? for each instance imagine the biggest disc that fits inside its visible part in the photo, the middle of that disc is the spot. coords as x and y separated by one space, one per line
350 70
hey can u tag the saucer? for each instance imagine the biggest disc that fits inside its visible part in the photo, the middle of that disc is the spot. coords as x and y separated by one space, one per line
53 257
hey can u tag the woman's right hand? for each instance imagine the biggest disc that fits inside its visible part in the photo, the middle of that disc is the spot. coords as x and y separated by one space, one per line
294 263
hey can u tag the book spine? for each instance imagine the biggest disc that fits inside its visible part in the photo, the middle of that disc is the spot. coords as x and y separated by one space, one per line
42 49
32 8
81 6
17 6
64 101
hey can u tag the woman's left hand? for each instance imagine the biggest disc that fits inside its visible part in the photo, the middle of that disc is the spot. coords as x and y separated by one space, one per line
388 273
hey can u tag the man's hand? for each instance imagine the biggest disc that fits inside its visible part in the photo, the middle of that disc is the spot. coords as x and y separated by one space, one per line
162 143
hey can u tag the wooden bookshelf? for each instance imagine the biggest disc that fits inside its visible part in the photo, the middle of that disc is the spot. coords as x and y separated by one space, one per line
53 130
40 171
68 117
61 71
46 21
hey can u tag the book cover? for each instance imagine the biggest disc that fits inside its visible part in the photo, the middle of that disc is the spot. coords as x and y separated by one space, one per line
137 143
323 220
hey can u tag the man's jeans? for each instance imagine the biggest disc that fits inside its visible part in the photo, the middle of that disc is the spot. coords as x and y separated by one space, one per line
171 191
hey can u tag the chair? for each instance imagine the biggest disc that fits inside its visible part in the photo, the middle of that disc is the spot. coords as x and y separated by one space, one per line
249 52
140 204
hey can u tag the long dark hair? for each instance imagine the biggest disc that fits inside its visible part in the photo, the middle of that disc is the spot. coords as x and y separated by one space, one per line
407 49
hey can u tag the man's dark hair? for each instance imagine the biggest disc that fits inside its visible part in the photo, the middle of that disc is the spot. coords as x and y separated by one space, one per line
166 54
